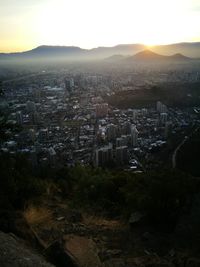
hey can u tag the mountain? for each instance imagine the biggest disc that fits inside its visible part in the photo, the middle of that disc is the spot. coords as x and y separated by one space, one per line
179 56
76 53
187 49
148 55
122 49
73 52
45 51
56 50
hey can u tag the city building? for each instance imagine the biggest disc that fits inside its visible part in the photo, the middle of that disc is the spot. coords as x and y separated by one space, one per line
30 107
104 155
69 84
161 108
111 132
121 155
19 117
134 136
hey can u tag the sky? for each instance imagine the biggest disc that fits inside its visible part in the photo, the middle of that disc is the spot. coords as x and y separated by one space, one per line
26 24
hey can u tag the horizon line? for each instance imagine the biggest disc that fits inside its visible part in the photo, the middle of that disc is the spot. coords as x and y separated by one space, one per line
96 47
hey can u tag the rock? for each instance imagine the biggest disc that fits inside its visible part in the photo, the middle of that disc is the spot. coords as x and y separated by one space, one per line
172 253
14 253
148 261
109 254
147 252
114 252
116 263
14 222
83 249
57 254
60 218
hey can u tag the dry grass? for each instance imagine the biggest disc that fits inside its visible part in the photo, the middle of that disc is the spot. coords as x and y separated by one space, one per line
36 216
101 221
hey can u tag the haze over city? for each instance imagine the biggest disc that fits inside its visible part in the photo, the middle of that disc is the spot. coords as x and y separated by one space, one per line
91 23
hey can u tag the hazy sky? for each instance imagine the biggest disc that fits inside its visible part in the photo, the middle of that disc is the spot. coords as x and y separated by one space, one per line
25 24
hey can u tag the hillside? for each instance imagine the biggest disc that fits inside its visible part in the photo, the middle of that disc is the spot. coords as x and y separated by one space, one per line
148 55
74 53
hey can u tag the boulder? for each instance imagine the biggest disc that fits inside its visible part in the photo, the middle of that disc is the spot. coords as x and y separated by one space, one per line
15 253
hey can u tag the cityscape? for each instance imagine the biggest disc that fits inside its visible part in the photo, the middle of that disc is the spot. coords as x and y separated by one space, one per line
92 151
64 119
100 133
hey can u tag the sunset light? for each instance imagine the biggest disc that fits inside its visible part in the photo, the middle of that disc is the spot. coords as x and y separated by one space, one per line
91 23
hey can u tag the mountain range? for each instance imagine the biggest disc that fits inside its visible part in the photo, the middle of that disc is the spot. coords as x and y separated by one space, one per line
179 51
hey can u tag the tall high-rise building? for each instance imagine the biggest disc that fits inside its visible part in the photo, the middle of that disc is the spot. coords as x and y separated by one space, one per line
43 135
19 117
104 155
144 112
135 115
69 84
122 141
111 132
160 107
121 155
163 117
32 135
134 136
168 129
35 118
125 128
30 107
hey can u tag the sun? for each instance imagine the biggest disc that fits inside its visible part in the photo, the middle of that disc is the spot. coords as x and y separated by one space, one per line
152 23
92 23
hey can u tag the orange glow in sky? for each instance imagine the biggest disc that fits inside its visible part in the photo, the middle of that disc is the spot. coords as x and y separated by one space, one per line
26 24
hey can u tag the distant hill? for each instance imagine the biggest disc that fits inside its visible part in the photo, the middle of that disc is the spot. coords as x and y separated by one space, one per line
187 49
122 49
179 56
45 51
115 58
115 52
49 50
148 55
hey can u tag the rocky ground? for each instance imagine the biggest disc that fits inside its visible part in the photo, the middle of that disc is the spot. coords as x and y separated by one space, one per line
15 253
98 241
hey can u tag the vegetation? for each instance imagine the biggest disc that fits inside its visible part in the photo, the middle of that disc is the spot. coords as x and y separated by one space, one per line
189 155
162 197
17 185
172 94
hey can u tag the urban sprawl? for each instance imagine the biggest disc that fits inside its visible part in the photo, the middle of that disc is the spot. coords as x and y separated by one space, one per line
66 120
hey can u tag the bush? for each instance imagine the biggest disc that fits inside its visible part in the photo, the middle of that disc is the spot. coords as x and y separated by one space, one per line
162 196
17 185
